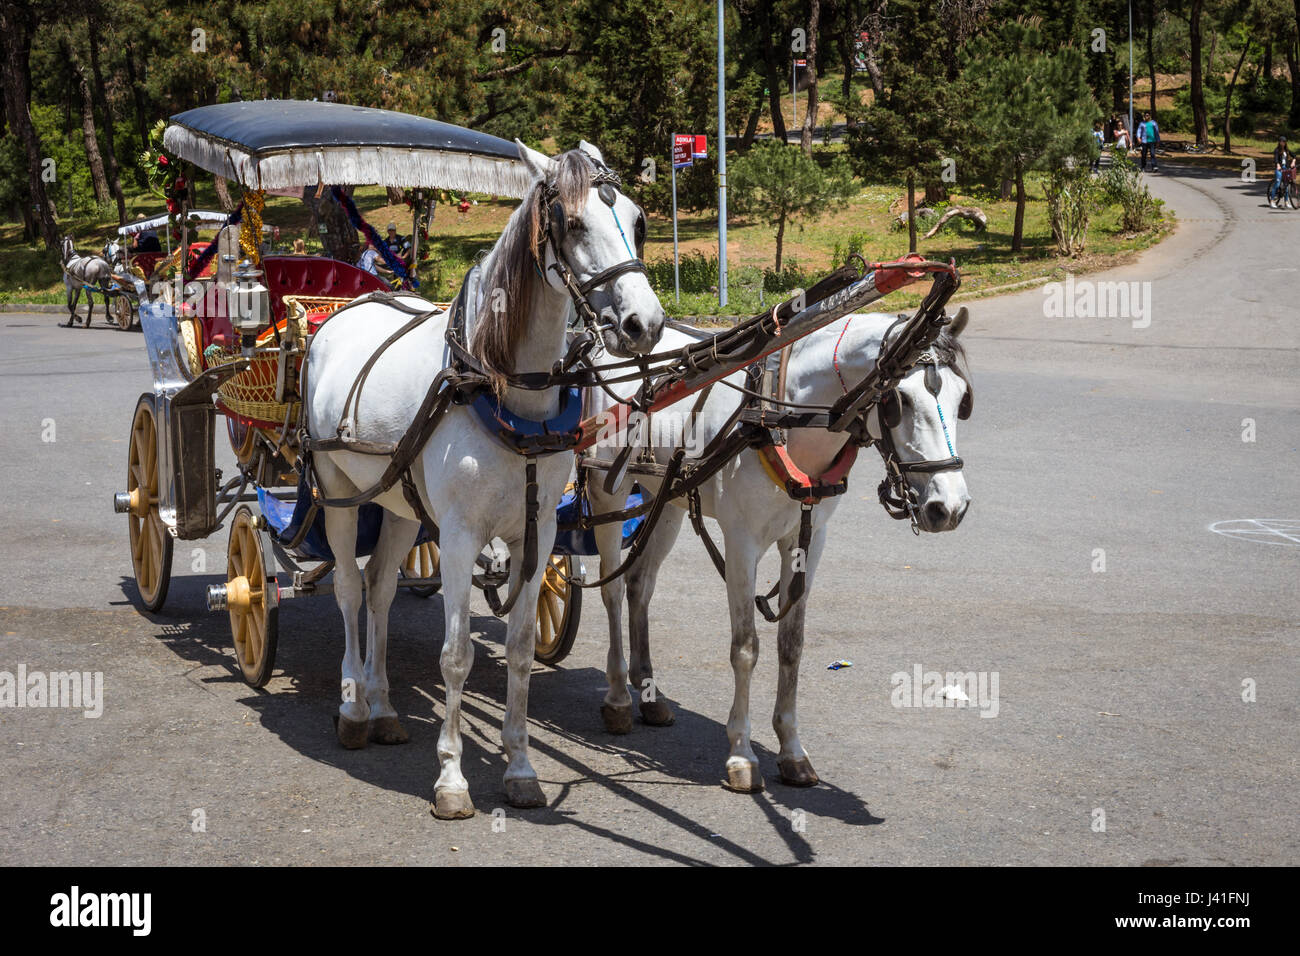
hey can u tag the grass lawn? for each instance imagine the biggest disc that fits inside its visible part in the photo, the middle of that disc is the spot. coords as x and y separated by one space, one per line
29 274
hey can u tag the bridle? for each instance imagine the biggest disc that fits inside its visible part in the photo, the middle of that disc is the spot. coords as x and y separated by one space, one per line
896 494
554 230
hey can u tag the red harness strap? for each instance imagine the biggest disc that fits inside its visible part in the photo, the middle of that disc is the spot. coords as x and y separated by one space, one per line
801 486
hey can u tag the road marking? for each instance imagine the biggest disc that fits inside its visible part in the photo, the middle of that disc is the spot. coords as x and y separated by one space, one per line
1278 531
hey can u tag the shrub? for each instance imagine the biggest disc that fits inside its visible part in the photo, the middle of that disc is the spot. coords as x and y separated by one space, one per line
1072 196
1122 185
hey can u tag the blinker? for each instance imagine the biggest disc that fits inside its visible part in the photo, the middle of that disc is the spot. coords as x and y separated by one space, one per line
607 194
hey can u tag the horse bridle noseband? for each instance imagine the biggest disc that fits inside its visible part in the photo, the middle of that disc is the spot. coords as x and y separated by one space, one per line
555 228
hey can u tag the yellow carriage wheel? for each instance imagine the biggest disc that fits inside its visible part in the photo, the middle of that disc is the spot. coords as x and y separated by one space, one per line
559 606
123 312
422 562
251 601
151 542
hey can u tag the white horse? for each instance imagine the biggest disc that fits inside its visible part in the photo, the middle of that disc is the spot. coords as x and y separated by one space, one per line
754 513
83 272
471 484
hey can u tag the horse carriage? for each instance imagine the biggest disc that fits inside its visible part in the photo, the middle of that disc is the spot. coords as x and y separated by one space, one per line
227 341
347 446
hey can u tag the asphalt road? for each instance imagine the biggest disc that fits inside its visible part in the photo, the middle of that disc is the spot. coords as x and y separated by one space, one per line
1119 691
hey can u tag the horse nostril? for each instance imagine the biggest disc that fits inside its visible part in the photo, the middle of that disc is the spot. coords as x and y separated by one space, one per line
632 326
936 514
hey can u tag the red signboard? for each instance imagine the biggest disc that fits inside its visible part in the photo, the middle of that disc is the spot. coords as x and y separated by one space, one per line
701 150
683 144
800 62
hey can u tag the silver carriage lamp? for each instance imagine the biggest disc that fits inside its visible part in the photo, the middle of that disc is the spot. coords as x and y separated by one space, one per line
248 305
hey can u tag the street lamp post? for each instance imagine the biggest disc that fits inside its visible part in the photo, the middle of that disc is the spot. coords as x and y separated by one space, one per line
722 162
1131 131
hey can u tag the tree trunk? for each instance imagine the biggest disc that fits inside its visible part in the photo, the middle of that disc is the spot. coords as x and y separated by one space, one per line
223 194
911 211
15 80
1018 234
780 240
1293 64
137 99
1200 120
338 238
810 115
774 78
1151 57
751 126
1227 99
93 159
106 120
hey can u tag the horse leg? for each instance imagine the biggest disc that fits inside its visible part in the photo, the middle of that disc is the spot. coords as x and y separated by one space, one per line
522 788
655 709
451 799
74 296
396 538
742 554
354 711
793 763
616 711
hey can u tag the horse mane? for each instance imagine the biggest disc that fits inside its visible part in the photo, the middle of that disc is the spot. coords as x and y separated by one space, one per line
513 274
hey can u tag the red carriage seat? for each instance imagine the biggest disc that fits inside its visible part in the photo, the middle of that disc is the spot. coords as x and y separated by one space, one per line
290 275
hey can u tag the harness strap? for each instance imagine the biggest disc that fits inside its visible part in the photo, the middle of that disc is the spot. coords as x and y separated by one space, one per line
530 545
798 580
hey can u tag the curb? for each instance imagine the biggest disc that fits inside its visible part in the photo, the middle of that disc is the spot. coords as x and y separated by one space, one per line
31 307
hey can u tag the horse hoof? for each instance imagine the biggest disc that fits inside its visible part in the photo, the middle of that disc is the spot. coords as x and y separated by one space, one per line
657 713
524 792
797 772
743 778
618 720
352 733
387 730
452 805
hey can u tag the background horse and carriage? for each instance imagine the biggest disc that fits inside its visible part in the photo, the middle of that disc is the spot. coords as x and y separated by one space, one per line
439 440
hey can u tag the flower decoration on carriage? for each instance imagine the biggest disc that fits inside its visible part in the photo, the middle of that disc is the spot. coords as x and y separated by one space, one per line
166 177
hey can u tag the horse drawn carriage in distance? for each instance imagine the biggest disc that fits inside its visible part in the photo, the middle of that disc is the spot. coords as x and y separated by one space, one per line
230 344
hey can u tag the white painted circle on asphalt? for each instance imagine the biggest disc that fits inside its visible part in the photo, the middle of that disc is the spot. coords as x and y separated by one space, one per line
1280 531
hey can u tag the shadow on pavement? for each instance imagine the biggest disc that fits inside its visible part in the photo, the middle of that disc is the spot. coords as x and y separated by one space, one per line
564 705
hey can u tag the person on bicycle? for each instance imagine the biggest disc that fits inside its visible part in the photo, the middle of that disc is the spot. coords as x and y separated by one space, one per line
1282 158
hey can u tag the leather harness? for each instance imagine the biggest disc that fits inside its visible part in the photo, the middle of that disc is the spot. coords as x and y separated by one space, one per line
464 381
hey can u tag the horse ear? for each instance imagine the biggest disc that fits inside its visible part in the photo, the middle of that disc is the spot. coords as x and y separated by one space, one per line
959 323
539 165
591 151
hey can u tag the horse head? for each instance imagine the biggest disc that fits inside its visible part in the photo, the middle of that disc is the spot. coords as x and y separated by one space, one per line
921 416
588 239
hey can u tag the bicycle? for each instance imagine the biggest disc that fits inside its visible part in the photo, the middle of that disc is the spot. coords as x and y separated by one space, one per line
1288 191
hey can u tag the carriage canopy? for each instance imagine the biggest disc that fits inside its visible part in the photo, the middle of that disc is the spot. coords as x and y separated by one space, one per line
289 144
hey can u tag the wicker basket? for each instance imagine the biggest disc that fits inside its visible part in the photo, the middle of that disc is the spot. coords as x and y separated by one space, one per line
250 395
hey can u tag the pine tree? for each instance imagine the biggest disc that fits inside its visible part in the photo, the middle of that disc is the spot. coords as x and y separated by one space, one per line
1031 103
